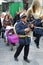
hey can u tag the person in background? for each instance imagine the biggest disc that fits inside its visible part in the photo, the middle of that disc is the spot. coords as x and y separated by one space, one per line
2 18
16 17
0 25
11 18
6 22
38 23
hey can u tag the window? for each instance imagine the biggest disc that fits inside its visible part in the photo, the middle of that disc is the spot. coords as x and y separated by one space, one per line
0 8
5 6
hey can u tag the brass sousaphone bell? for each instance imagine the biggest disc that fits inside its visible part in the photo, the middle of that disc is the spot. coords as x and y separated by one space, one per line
35 9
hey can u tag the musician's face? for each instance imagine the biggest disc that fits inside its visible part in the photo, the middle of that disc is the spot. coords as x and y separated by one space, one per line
24 19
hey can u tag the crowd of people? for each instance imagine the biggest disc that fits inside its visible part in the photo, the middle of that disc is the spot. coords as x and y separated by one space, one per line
23 29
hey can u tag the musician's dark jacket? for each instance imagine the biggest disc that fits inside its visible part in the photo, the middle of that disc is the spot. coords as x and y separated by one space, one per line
37 23
20 31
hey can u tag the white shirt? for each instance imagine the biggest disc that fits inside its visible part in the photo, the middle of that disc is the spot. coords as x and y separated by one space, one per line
2 21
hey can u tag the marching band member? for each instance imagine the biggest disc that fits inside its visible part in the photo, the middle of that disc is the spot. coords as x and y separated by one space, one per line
37 23
35 10
22 29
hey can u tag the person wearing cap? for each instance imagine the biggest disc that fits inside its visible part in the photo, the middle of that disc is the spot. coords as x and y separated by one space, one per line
23 31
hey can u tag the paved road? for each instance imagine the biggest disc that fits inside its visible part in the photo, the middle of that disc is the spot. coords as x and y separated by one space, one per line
35 55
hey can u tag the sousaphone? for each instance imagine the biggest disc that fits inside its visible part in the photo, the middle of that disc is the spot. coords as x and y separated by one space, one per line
35 9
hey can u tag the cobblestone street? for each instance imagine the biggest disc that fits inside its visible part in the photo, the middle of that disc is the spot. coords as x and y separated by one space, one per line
7 56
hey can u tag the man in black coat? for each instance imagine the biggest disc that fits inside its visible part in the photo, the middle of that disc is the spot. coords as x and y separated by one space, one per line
37 32
38 23
16 17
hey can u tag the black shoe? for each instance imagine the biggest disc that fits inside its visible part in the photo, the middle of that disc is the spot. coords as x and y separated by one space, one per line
36 44
7 44
15 58
26 60
11 49
38 47
35 41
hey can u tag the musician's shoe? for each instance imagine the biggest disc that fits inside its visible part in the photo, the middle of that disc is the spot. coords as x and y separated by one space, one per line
36 44
15 58
38 47
27 60
35 41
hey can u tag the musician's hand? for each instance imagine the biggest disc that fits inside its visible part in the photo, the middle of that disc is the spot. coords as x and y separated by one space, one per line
27 30
32 25
42 21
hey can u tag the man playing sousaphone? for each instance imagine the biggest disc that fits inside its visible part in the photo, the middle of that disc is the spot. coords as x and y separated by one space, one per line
33 14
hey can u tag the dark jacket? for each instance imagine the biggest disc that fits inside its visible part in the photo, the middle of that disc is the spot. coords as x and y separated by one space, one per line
37 22
16 18
20 31
37 31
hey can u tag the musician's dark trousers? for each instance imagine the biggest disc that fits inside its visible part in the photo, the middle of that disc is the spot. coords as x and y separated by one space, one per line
19 49
37 40
0 32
